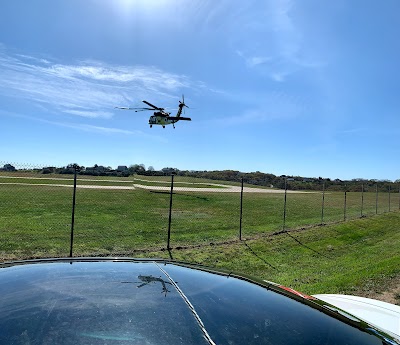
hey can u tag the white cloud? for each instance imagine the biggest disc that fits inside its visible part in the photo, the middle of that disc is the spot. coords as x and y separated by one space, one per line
87 128
253 60
278 76
97 129
90 114
270 40
87 89
40 60
353 131
257 60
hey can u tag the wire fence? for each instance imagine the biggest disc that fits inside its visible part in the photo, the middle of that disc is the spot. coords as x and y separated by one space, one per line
44 214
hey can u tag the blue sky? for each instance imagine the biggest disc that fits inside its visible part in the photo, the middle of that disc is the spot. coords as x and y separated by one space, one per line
304 88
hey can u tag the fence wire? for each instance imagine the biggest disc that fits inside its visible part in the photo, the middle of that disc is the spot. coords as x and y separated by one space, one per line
123 215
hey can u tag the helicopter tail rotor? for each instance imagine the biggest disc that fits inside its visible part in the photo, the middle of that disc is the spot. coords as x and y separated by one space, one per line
182 103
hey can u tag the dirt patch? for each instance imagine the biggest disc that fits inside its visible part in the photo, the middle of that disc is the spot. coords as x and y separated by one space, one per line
390 293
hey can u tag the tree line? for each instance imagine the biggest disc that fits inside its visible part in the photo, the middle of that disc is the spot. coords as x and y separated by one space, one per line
255 178
295 182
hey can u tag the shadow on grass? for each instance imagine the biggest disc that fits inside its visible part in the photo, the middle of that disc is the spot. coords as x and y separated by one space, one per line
303 245
257 256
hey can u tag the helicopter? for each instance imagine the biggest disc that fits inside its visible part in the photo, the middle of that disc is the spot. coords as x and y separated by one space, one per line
150 279
161 116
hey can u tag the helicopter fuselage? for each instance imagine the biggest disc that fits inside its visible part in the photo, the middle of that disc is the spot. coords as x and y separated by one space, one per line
159 119
163 118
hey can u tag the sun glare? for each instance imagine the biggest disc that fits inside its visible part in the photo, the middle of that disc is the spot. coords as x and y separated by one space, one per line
126 9
129 5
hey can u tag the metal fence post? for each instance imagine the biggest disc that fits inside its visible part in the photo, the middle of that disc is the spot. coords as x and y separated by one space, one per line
241 211
323 203
170 212
362 199
284 206
73 212
376 199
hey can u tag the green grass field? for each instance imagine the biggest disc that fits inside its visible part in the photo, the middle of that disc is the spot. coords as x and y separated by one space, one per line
36 218
35 221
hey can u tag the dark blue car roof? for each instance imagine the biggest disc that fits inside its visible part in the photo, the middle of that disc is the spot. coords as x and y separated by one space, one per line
126 301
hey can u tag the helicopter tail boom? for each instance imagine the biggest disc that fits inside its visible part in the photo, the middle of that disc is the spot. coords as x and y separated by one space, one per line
178 118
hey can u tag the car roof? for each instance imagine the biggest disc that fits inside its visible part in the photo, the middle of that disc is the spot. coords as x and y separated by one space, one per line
135 301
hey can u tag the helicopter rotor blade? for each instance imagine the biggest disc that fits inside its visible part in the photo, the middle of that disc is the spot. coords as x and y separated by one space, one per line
135 109
152 105
124 108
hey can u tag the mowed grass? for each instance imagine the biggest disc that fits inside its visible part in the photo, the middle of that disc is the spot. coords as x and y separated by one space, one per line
97 182
35 221
180 181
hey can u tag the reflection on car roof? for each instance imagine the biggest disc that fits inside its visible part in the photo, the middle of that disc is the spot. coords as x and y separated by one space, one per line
96 301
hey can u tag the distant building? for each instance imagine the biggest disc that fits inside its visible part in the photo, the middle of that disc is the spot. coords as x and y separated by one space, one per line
97 168
122 168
